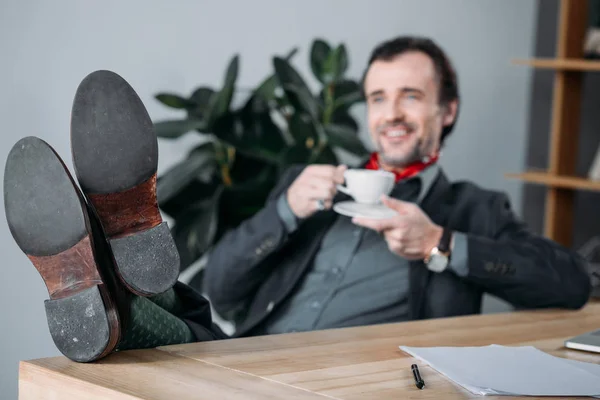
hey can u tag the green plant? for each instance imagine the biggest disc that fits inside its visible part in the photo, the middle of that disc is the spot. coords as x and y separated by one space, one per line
227 178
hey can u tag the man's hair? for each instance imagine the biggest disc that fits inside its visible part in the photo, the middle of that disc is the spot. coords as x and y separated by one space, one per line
445 73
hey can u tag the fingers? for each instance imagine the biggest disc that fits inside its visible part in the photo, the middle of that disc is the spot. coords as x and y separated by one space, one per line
404 248
319 192
316 182
328 172
321 181
339 174
395 235
324 185
327 204
314 204
395 204
375 224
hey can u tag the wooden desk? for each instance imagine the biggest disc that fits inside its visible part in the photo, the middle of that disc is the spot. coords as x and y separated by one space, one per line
354 363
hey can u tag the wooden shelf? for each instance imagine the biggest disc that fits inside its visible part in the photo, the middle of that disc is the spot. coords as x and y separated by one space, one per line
569 67
564 181
573 64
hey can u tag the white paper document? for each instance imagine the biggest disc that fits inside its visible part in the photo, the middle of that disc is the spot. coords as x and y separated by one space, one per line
502 370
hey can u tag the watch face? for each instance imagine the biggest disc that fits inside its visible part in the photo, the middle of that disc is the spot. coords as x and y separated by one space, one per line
437 262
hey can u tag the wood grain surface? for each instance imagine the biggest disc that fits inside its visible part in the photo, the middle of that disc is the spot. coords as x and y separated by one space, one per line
350 363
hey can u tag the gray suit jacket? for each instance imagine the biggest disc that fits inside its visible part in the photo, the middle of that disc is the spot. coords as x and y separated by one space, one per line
254 267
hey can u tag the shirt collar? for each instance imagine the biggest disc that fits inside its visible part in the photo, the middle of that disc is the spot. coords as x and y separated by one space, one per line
427 177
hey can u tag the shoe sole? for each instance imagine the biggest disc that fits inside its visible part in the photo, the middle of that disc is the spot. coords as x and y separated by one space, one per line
115 155
48 219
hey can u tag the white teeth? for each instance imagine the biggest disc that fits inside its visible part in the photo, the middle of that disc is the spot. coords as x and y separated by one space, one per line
396 133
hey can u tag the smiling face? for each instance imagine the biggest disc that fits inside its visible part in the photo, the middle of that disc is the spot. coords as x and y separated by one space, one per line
404 113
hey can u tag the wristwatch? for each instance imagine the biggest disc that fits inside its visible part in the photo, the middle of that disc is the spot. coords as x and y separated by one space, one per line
439 257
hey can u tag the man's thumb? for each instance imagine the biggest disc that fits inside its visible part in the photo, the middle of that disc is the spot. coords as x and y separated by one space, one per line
339 173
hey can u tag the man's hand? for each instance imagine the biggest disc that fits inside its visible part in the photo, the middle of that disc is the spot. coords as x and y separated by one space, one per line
410 234
316 182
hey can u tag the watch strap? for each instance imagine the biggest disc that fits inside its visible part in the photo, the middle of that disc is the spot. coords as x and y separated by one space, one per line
444 244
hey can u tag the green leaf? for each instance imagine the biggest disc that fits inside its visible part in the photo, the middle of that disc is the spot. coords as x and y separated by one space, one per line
306 137
302 102
319 52
327 156
202 96
342 117
291 53
259 128
246 169
172 129
348 100
310 139
219 103
296 154
173 100
295 88
200 161
302 128
345 138
194 231
253 188
266 89
347 93
342 60
335 65
201 100
230 130
344 94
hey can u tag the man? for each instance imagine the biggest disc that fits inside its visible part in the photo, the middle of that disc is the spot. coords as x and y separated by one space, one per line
106 257
298 266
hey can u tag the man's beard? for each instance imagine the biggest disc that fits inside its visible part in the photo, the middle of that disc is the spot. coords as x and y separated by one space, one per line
401 161
423 148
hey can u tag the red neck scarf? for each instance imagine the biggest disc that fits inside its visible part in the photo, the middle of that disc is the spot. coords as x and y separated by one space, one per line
408 171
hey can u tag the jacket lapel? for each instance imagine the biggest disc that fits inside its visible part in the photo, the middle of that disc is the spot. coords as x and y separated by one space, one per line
436 208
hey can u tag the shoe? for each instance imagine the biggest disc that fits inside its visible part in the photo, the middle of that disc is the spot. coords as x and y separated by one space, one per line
115 156
48 218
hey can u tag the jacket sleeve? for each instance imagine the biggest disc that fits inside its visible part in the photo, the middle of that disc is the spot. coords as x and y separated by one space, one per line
239 261
526 270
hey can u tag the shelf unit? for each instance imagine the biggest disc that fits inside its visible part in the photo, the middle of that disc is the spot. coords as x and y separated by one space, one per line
566 64
569 67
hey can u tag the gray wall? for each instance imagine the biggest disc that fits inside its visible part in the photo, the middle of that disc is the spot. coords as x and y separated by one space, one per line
586 210
48 47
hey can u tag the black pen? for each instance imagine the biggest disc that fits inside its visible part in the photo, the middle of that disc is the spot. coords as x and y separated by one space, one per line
418 380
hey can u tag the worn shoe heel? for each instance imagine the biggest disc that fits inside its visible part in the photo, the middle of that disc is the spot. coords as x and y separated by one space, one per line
48 219
115 155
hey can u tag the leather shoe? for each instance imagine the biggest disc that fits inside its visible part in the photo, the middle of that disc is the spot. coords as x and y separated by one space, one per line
115 155
49 219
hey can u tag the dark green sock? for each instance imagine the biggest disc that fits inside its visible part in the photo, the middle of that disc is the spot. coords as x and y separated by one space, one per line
168 301
151 326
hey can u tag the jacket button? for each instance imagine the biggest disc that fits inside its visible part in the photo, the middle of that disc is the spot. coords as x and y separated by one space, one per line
489 266
270 306
268 242
503 269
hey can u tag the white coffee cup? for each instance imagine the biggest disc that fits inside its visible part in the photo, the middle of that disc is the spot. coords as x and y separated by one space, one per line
366 186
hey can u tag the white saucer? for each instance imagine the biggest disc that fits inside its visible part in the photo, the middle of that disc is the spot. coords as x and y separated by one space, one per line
354 209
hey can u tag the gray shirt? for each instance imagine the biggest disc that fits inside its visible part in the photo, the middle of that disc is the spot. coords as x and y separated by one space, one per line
354 278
